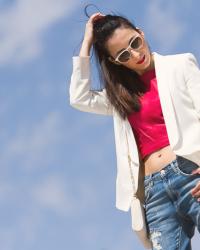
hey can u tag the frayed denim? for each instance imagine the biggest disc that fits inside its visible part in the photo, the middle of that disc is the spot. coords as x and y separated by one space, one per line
171 211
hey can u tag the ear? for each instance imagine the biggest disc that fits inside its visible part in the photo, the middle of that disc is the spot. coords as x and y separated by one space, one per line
113 61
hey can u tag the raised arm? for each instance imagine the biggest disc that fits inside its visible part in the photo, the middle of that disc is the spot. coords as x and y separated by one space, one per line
81 96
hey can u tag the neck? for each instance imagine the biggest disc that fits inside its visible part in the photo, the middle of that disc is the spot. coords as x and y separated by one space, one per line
151 65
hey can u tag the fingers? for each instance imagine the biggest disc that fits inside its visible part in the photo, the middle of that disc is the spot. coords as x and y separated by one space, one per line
196 191
196 188
196 171
95 17
88 36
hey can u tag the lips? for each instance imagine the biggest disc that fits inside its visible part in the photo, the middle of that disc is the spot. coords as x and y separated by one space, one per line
142 60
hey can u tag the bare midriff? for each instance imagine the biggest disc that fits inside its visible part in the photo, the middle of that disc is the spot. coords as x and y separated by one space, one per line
158 159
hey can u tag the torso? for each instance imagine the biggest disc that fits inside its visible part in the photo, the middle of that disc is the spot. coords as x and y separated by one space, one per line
158 159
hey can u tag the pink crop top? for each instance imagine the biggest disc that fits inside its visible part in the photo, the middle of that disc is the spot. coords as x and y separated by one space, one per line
148 124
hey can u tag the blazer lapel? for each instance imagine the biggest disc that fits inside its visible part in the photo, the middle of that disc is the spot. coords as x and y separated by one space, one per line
163 73
163 82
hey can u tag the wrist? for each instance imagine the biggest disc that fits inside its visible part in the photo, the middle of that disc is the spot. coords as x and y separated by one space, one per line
85 49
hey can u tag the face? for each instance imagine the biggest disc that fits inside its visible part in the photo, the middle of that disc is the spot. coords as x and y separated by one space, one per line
140 59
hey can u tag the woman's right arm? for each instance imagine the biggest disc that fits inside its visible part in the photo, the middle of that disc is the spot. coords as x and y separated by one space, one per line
81 96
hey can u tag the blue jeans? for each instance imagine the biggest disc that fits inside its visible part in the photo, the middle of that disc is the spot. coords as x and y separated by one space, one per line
171 211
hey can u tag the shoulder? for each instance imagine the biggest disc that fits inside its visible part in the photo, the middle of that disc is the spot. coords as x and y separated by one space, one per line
187 64
187 60
183 56
180 57
174 56
178 62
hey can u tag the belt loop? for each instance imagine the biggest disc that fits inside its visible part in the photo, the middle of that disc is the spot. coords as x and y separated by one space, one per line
175 165
151 180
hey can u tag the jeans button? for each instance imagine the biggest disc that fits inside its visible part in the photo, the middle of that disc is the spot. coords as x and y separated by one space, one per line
162 172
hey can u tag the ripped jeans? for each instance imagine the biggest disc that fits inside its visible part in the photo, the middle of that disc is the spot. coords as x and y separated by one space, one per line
171 211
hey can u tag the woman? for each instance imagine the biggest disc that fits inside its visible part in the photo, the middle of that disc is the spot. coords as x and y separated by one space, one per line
155 104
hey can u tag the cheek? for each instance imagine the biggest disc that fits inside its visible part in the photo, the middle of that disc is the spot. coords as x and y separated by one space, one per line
131 65
148 57
130 62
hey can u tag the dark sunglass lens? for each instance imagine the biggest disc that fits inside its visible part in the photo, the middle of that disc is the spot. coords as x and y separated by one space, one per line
124 56
136 43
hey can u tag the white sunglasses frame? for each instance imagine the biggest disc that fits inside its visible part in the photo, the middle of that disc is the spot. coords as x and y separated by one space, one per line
128 48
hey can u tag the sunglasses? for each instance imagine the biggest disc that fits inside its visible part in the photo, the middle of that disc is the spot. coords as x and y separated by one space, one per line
135 43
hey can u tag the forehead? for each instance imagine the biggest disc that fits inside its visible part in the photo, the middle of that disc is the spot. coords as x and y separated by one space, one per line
119 40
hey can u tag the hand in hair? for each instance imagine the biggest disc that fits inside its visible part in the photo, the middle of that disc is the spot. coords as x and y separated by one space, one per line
89 26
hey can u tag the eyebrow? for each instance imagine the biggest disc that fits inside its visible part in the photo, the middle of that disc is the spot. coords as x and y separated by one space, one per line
125 48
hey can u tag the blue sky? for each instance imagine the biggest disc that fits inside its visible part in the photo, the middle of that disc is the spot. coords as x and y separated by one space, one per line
58 165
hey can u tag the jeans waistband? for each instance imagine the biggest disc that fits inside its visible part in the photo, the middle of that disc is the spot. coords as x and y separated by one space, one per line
171 166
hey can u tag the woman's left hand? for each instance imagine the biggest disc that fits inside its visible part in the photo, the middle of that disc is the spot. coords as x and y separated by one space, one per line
196 190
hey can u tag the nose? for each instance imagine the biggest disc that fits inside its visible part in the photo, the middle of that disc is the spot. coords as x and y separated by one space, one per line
134 54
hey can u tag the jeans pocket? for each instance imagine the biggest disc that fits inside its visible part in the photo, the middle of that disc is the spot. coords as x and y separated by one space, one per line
185 166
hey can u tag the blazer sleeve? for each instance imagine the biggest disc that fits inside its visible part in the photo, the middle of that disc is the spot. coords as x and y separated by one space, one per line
192 78
81 96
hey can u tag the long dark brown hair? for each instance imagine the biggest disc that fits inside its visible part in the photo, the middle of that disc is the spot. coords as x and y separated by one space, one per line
123 86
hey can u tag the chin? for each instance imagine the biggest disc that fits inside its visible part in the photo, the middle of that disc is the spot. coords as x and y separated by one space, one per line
148 62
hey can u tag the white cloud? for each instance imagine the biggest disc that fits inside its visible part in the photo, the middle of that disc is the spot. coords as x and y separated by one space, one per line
163 24
23 229
51 194
63 196
54 193
34 144
23 23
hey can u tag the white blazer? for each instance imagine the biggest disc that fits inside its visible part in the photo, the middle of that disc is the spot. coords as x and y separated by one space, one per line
178 80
